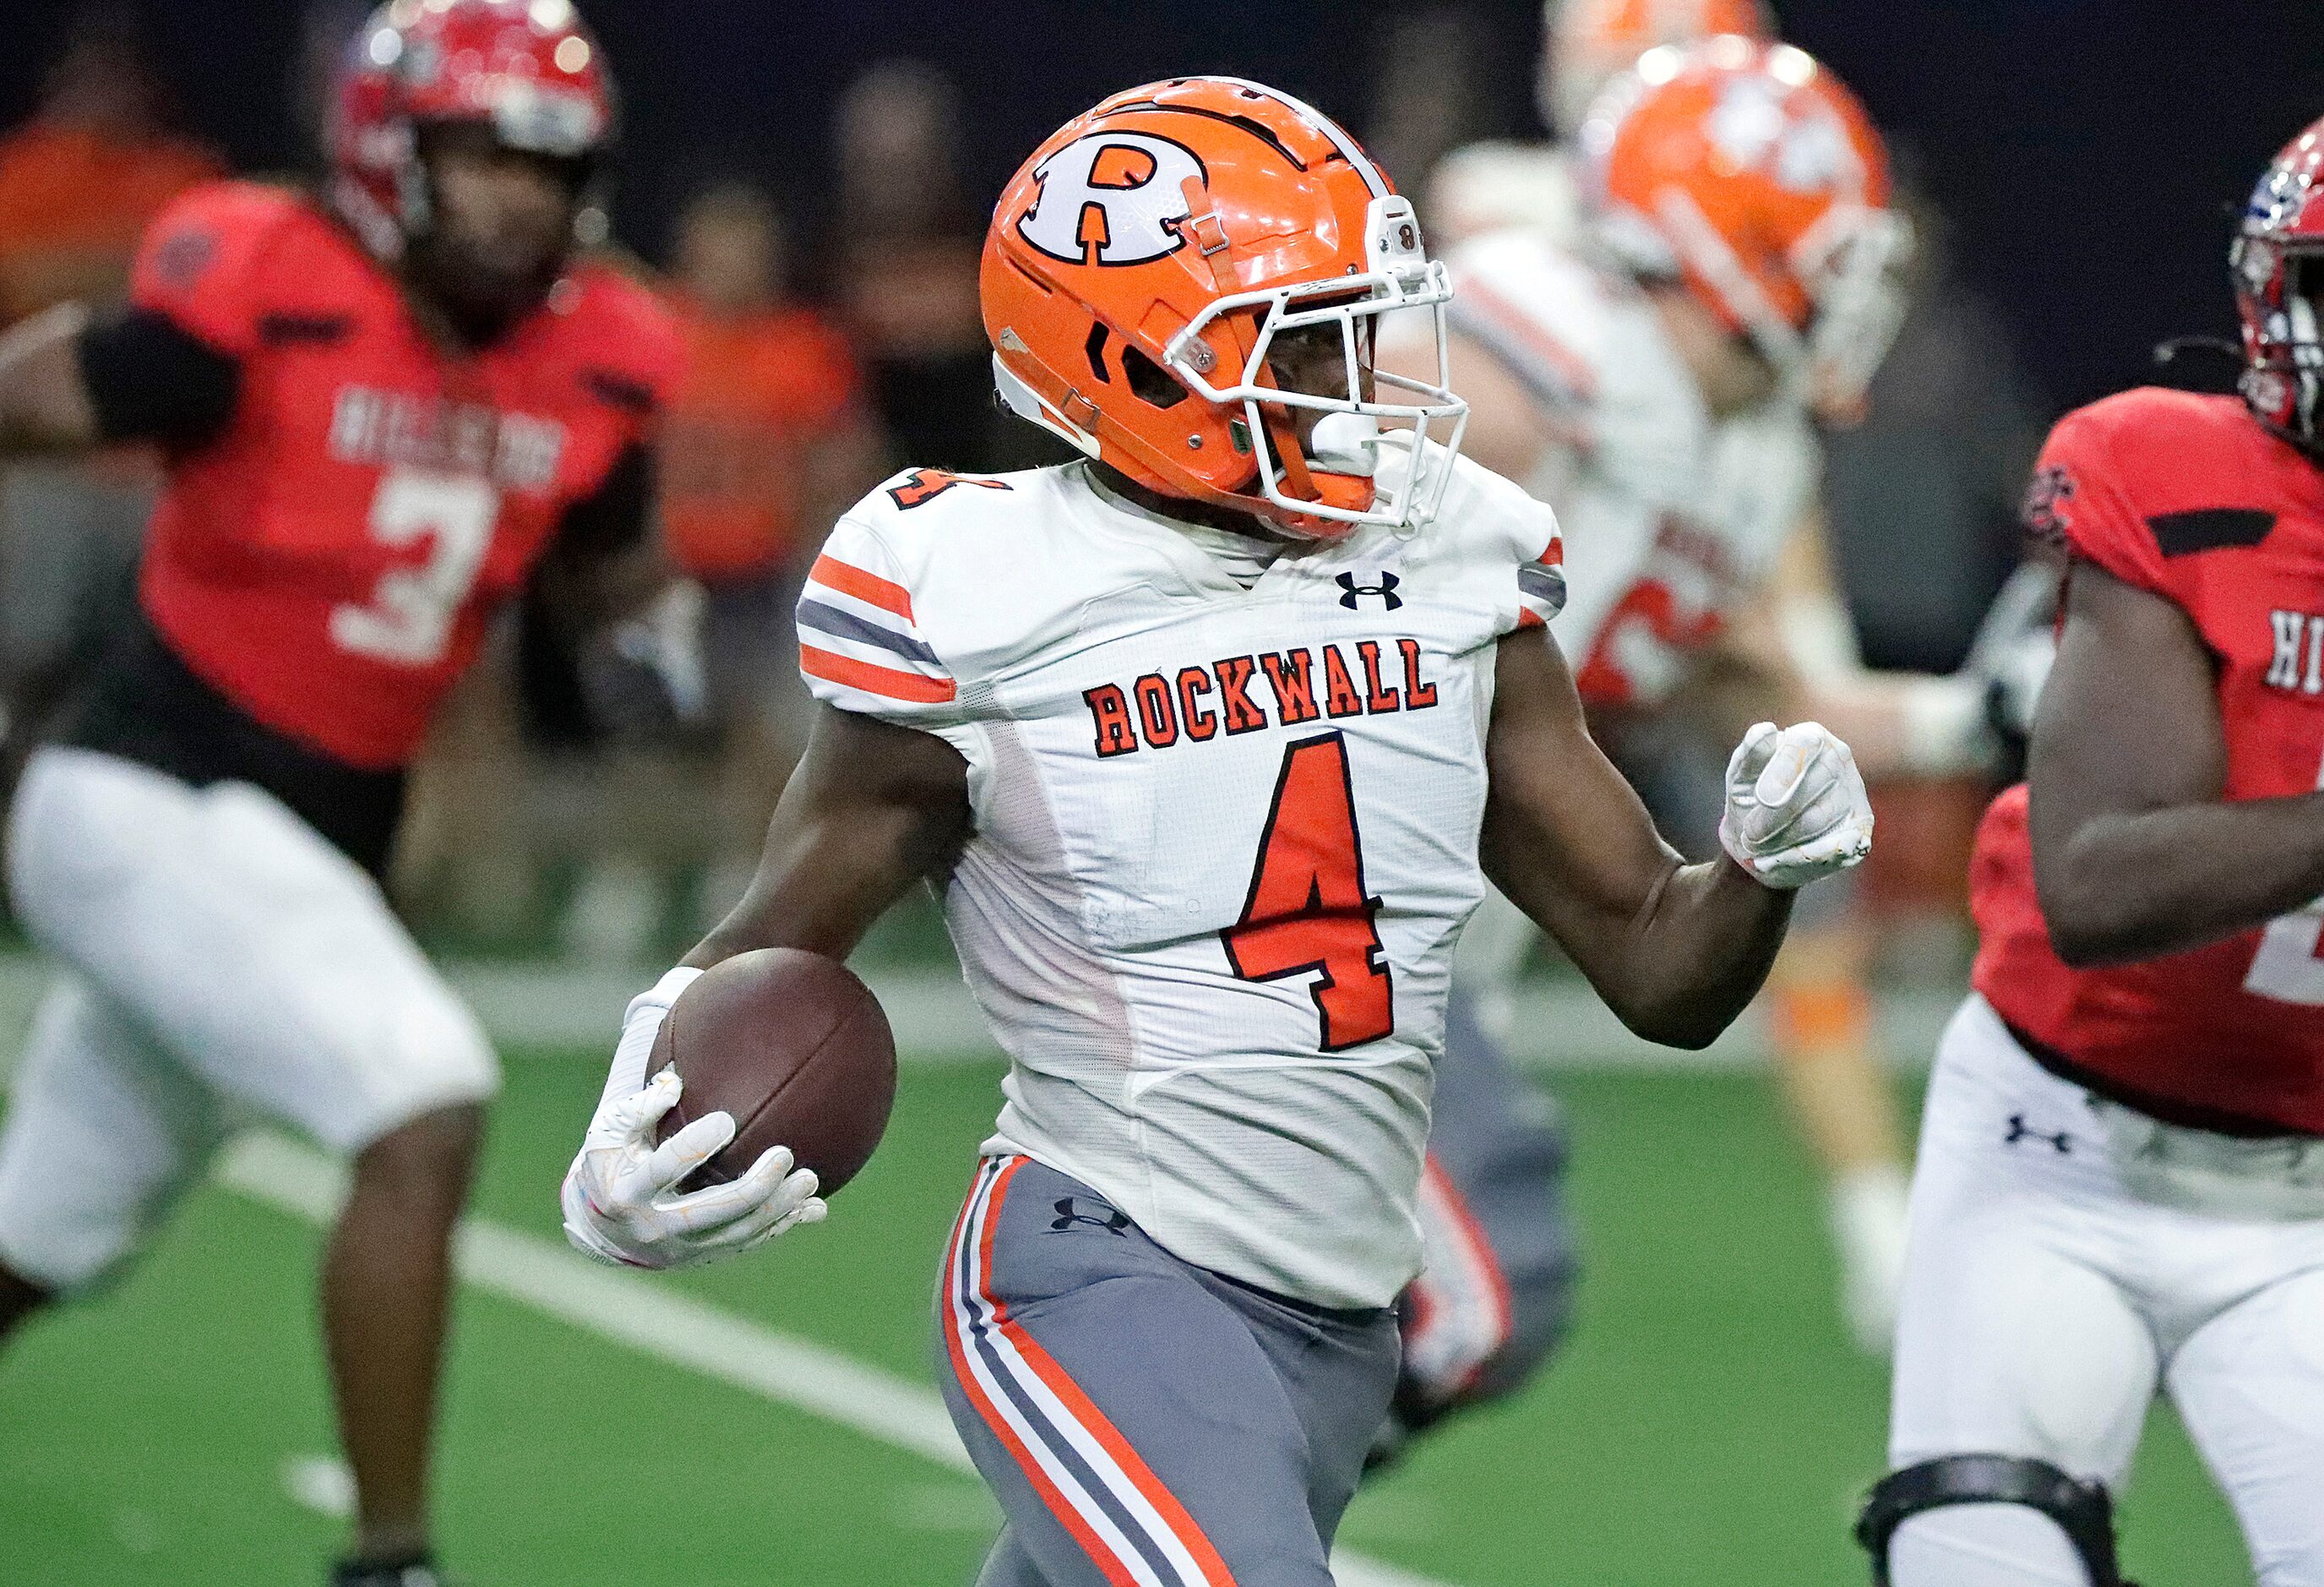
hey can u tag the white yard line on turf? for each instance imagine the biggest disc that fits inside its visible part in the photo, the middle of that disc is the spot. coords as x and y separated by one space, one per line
649 1316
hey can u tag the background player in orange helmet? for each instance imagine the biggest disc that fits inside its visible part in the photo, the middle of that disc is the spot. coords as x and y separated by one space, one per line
384 413
1591 42
2120 1190
1213 733
1585 45
1658 379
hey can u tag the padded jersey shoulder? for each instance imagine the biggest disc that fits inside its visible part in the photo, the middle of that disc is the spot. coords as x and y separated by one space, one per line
1543 313
626 341
1589 349
2136 480
214 259
1490 532
934 581
2152 443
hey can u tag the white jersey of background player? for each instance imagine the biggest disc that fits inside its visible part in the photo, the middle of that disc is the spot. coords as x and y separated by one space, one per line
1656 375
1659 311
1211 739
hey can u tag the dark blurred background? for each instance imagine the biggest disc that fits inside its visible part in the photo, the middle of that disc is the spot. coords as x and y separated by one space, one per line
2087 151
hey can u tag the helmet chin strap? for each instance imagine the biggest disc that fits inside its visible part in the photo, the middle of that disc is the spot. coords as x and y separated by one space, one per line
1283 442
1202 225
377 229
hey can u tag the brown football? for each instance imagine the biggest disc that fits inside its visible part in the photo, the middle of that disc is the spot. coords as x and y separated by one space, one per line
796 1048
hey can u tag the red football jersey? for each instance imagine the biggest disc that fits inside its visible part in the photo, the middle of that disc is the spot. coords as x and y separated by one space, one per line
329 562
2189 497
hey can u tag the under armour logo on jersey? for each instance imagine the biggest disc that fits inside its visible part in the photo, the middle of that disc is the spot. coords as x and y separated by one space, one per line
1385 589
1112 198
2061 1142
1113 1223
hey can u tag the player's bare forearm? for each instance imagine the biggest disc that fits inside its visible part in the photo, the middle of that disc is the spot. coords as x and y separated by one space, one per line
872 809
2136 854
1676 950
44 402
2138 886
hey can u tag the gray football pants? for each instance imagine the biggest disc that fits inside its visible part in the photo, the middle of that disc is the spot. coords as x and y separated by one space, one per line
1143 1421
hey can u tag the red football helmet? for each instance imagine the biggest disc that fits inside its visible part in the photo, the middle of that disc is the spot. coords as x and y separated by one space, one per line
1142 262
527 69
2278 263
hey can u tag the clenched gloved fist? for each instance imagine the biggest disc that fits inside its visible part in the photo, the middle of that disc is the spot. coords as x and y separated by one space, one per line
1796 809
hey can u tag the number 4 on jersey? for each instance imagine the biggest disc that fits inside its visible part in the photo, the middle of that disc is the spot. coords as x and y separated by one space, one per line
1308 912
925 484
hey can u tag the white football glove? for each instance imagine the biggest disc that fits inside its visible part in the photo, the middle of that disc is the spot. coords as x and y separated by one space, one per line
1796 808
619 1197
2014 646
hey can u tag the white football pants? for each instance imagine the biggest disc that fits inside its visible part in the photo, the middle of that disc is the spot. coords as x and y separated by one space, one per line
2046 1303
223 963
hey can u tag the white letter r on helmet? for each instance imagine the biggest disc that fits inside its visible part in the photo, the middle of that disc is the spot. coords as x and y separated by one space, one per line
1110 199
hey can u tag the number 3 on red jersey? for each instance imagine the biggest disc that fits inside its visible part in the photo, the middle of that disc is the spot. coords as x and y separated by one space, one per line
409 618
1308 911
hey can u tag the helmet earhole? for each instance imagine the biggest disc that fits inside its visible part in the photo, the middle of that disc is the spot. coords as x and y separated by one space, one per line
1094 348
1152 384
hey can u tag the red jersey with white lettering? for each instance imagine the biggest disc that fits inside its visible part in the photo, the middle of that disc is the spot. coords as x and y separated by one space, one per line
2189 497
329 561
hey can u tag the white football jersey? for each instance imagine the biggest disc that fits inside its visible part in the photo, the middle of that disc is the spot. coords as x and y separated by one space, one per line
1670 515
1490 186
1225 837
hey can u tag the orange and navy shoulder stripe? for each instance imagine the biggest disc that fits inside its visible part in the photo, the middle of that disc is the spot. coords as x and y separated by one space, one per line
1541 586
857 631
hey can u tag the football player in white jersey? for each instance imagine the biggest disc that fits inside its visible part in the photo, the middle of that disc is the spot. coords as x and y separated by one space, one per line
1658 376
1211 740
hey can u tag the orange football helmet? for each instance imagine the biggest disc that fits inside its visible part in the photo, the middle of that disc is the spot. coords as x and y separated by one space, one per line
1588 43
1750 172
1144 260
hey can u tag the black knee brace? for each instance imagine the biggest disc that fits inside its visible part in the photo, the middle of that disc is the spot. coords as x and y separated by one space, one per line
2083 1510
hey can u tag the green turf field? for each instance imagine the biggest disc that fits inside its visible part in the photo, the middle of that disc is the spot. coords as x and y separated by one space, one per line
1708 1424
